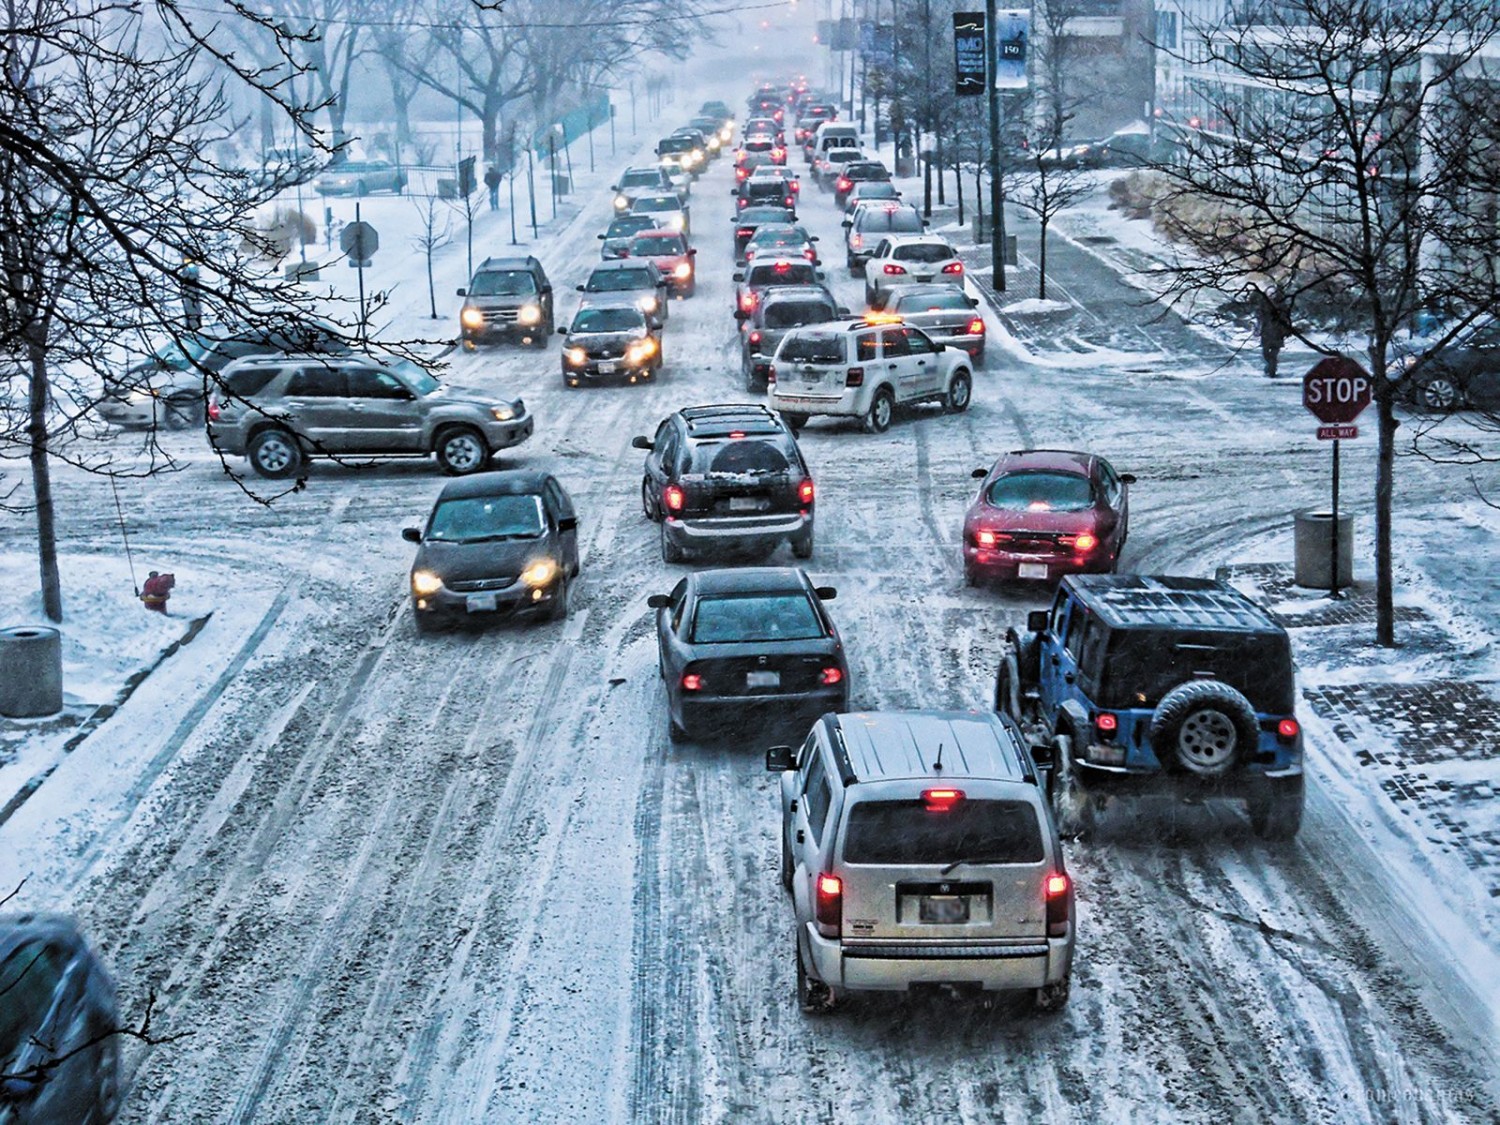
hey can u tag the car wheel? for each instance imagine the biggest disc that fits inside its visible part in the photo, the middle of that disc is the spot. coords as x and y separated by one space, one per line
648 501
1204 728
461 450
427 622
1072 807
558 610
1441 392
813 996
794 422
959 390
274 453
878 419
1276 809
802 546
670 551
107 1081
787 866
676 733
1052 997
1008 684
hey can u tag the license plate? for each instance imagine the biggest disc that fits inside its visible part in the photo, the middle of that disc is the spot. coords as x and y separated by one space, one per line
607 368
944 910
745 503
762 679
481 603
1032 570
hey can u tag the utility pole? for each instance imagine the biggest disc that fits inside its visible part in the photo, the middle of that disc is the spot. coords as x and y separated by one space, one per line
997 195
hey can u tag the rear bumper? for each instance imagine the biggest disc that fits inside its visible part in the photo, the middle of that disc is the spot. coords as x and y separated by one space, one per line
738 714
1007 564
731 531
1119 781
896 966
845 405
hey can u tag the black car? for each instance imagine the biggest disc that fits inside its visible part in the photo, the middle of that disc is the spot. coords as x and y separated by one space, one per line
779 310
728 476
1464 373
748 642
858 172
636 278
496 545
748 220
611 342
765 271
617 238
634 182
57 1010
776 193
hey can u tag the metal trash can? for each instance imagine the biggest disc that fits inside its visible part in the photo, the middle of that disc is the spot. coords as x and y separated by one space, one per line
30 671
1312 545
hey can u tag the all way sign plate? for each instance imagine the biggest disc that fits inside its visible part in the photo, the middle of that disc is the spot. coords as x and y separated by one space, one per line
1337 433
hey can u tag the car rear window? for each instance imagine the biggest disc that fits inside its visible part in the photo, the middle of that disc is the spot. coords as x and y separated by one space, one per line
1144 664
931 302
892 222
822 347
782 273
911 832
739 456
794 314
923 252
1041 492
843 156
502 283
759 145
743 618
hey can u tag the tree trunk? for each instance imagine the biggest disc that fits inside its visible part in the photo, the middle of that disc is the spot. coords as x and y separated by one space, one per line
41 486
401 99
958 180
1385 464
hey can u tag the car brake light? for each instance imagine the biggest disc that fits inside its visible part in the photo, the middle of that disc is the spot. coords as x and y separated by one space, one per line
1085 542
1055 891
1288 729
855 377
1057 885
976 327
788 202
673 498
984 538
831 675
213 412
770 375
733 434
778 153
743 203
844 184
754 338
782 267
1106 722
893 269
691 681
805 491
941 800
745 232
954 267
830 903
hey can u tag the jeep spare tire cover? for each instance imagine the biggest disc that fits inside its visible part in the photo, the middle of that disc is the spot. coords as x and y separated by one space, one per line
1204 728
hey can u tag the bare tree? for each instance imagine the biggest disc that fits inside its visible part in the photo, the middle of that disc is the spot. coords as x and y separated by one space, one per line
435 232
1345 149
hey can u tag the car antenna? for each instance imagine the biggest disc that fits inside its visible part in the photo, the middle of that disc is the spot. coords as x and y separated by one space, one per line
938 765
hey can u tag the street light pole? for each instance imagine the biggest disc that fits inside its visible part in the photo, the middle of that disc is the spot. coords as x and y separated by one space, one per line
997 194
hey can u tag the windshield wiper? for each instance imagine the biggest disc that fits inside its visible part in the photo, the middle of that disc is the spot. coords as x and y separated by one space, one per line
977 859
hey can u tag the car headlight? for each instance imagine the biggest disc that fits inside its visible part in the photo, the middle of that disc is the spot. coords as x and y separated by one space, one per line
539 573
679 222
713 144
725 133
577 356
646 304
503 413
642 350
622 203
471 318
530 314
682 271
424 583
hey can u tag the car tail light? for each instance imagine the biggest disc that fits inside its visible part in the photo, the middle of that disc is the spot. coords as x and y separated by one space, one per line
985 538
692 681
213 412
805 491
1055 890
844 183
747 301
1287 730
745 232
778 154
788 202
1085 543
830 676
954 267
782 267
672 496
743 202
830 904
796 186
754 339
941 800
893 269
770 375
976 327
1106 723
809 253
854 377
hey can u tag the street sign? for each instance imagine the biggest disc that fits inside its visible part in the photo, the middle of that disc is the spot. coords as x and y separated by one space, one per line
968 53
1336 390
359 241
1012 31
1337 433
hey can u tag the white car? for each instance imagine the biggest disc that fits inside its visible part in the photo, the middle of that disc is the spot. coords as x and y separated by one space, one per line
909 259
864 369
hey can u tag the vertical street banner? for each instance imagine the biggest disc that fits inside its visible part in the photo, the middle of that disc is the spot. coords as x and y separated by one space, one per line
1012 33
968 53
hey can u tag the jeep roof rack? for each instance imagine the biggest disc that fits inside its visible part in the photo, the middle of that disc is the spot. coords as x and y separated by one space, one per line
882 745
1125 601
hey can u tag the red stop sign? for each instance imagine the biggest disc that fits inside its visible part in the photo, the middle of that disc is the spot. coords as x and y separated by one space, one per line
1336 390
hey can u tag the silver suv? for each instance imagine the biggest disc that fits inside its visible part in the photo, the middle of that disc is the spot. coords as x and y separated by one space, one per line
919 850
280 411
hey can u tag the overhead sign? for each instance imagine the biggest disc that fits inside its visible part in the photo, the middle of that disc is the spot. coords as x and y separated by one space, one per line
1013 36
1337 390
359 240
968 53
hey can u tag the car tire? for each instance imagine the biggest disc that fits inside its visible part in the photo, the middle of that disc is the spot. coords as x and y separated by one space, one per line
461 450
1008 684
677 734
648 504
882 407
670 551
427 622
107 1079
1203 728
558 610
1275 808
274 453
787 866
1072 807
813 996
1052 997
960 390
794 422
802 545
1440 393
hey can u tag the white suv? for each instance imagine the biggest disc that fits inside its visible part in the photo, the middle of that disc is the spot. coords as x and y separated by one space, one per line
909 259
864 370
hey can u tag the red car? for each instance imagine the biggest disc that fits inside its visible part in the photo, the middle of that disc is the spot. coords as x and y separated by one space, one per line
671 254
1043 513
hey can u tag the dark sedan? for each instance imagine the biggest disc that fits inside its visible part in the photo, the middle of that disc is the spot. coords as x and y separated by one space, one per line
57 1012
751 219
1043 513
748 644
611 342
1464 373
496 545
617 238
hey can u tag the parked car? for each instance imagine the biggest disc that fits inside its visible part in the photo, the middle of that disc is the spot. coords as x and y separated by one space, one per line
751 219
617 238
780 309
670 253
669 212
635 182
858 172
864 371
495 545
900 259
57 1015
765 272
945 312
281 411
1043 513
728 476
637 279
360 177
869 223
1464 373
616 341
507 299
750 645
1158 685
919 851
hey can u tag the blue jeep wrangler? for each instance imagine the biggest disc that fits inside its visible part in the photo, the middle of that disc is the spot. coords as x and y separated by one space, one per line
1157 685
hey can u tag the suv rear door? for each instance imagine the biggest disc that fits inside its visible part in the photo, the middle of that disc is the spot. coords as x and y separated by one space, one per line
813 364
317 400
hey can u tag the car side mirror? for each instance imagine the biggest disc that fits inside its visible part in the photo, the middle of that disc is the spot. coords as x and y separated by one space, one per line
844 311
741 315
1127 478
659 601
847 223
412 534
692 251
1042 756
1036 621
739 277
568 523
814 238
546 289
826 593
734 191
601 237
562 330
641 442
779 759
973 302
927 222
580 288
980 474
614 187
465 292
817 261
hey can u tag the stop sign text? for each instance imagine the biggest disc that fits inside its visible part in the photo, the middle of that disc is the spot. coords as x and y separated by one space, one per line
1336 390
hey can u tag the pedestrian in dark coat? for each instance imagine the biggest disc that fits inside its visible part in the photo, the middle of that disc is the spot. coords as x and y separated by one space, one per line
492 181
1274 323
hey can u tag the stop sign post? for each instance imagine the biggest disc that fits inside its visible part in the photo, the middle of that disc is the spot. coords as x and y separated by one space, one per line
359 240
1336 391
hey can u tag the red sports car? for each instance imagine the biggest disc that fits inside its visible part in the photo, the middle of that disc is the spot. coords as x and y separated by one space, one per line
1043 513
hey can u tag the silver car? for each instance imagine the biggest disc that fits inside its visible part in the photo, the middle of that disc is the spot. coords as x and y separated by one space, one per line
910 259
279 412
360 177
919 851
